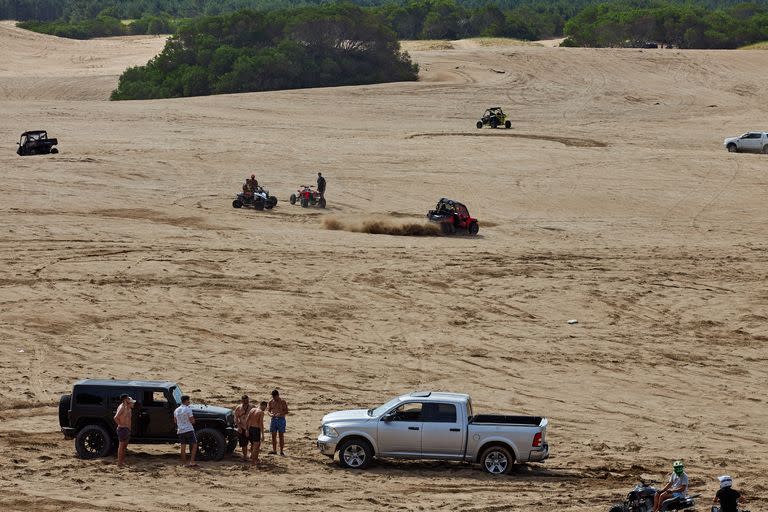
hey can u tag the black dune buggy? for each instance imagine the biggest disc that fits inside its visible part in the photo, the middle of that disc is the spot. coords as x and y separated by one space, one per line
36 142
258 201
494 117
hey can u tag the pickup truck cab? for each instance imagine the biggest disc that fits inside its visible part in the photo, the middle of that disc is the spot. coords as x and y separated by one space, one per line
755 142
430 425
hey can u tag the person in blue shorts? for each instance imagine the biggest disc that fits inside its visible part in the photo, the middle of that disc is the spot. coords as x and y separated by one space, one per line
278 409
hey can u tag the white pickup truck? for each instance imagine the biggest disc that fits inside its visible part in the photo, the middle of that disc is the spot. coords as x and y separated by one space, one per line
429 425
756 142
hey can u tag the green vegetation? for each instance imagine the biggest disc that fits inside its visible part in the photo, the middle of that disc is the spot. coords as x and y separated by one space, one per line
104 26
685 26
260 51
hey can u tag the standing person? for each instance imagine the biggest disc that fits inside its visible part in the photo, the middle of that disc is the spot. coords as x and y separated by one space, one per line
321 184
255 423
185 421
278 409
677 486
728 497
123 421
241 414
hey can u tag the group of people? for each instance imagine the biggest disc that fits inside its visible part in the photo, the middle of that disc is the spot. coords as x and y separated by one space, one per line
251 185
249 420
727 498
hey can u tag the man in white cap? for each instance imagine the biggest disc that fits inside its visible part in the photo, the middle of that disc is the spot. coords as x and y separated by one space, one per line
727 496
123 421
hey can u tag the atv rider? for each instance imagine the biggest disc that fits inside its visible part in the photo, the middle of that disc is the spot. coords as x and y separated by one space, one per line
321 184
247 192
726 496
677 486
252 183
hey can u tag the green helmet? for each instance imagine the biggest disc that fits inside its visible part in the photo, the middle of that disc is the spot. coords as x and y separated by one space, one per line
678 467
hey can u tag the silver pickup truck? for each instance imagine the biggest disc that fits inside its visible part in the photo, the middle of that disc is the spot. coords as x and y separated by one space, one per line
429 425
755 142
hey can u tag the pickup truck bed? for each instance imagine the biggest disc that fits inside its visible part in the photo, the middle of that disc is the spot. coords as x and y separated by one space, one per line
505 419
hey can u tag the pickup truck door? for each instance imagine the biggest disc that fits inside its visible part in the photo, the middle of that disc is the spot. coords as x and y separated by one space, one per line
443 432
751 141
400 435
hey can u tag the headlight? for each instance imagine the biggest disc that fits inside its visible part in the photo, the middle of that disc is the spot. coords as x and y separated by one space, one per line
330 431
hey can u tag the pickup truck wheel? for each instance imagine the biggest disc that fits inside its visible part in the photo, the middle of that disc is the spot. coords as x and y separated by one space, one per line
211 444
497 460
355 454
93 442
732 148
765 149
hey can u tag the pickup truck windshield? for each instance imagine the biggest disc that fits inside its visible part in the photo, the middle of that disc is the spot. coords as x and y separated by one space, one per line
383 408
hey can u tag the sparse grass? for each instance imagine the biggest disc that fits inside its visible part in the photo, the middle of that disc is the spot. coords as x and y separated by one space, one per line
763 45
426 45
502 41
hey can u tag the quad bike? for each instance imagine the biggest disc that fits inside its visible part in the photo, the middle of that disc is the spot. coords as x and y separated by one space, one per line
453 218
640 499
308 197
36 142
260 200
494 117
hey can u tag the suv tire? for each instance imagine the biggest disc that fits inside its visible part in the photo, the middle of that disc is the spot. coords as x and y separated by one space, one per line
355 454
93 442
211 444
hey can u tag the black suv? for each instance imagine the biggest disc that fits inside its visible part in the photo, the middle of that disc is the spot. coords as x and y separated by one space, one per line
87 417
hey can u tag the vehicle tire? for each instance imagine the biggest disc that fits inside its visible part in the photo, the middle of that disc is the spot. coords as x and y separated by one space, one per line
64 402
732 148
497 460
293 199
93 442
237 203
617 508
479 124
473 228
258 205
507 124
232 442
765 149
211 444
304 202
272 201
355 454
54 151
321 202
494 123
447 228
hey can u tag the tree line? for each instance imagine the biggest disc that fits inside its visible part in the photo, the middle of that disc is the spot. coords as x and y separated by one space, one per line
259 51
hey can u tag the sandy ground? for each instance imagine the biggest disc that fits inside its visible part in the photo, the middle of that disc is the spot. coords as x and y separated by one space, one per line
610 201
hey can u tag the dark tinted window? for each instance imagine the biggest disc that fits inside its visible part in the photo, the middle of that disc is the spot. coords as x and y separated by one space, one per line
753 136
408 412
88 398
441 413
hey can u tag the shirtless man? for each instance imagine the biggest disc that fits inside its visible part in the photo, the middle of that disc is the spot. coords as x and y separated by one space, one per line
278 409
241 414
255 424
123 420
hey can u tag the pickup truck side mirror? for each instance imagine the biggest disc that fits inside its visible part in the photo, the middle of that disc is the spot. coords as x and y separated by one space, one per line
388 417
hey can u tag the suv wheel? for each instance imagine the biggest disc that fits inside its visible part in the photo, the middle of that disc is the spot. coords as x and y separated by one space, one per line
232 442
732 148
93 442
497 460
211 444
355 454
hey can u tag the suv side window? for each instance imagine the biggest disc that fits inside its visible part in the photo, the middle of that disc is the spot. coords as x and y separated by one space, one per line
89 398
753 136
408 412
154 398
439 413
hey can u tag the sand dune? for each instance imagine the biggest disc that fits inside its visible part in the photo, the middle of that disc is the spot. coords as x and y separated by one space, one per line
611 200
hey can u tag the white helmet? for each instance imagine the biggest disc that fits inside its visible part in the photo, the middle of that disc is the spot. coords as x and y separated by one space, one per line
725 481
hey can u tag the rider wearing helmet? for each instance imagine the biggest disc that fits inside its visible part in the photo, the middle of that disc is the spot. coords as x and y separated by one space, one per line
727 496
677 486
252 183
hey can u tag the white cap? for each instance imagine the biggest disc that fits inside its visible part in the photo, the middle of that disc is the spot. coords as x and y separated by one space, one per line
725 481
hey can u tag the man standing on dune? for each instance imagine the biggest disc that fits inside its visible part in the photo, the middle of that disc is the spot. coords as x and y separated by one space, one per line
255 424
241 415
123 421
278 409
321 184
185 428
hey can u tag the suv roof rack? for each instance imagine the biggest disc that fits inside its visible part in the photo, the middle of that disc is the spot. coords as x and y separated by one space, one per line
421 394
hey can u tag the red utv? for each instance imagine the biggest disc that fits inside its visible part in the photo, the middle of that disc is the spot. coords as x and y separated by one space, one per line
453 218
308 197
